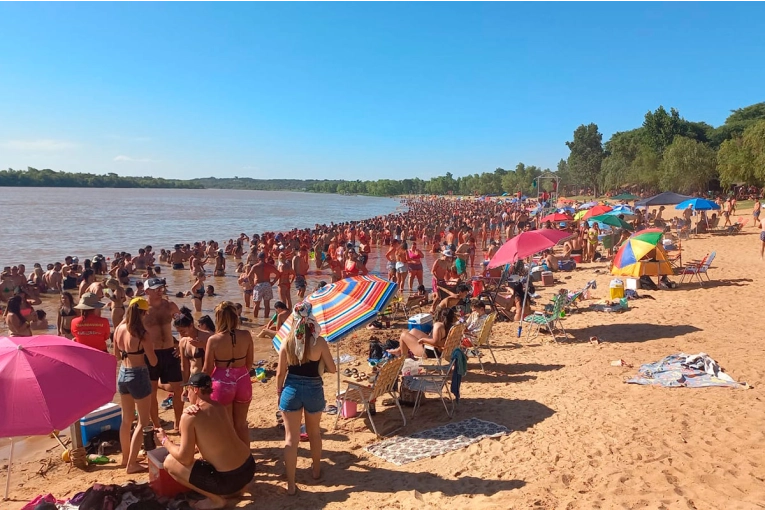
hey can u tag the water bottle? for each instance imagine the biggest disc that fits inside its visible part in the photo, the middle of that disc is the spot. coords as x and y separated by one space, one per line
372 409
98 459
148 439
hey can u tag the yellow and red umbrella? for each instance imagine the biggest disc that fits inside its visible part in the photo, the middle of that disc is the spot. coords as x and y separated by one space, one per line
642 254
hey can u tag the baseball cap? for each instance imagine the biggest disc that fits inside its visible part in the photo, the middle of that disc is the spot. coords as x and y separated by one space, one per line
155 283
141 302
199 380
448 253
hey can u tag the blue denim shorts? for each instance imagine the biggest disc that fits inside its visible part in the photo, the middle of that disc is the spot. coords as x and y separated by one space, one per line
134 382
301 392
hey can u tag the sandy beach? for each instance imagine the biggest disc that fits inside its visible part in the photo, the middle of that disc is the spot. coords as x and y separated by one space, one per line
579 436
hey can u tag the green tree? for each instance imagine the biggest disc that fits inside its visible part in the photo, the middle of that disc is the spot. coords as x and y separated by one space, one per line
661 127
586 157
742 159
688 166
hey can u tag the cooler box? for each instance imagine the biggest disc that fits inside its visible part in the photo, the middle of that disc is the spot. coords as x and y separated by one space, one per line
421 321
577 258
616 289
160 480
633 284
477 287
106 417
547 278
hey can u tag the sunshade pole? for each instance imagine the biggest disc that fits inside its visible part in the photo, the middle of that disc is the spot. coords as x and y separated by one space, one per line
523 306
8 474
338 370
499 285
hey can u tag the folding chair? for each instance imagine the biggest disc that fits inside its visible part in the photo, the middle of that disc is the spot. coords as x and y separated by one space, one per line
482 340
364 394
549 321
453 340
697 269
579 295
434 380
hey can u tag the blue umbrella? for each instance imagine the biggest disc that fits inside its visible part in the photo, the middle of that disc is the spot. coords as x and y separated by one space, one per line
567 210
587 205
698 204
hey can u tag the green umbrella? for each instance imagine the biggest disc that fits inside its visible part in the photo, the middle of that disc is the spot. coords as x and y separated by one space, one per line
625 196
614 221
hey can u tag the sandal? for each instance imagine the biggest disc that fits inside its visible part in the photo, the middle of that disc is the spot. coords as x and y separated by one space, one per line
347 372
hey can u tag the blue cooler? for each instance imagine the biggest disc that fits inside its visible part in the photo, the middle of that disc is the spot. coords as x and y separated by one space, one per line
421 321
106 417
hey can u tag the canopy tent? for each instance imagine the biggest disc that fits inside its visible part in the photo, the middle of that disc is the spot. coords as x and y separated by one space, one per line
666 198
625 196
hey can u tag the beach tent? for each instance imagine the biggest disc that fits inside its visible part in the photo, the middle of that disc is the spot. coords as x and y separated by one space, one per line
666 198
642 254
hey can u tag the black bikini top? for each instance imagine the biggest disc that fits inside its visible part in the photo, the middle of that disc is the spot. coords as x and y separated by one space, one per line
233 344
140 350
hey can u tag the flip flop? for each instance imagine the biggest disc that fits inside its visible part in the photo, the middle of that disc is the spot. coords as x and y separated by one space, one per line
347 372
354 371
330 409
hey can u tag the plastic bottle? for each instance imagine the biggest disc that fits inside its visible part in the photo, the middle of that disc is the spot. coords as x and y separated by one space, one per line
98 459
372 408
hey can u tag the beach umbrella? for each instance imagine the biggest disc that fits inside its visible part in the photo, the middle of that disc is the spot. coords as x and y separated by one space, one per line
698 204
587 205
625 196
640 258
612 221
597 211
666 198
343 306
627 213
638 246
48 383
578 216
556 217
566 210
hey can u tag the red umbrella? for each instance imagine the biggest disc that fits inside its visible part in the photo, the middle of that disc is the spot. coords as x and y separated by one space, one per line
48 383
555 217
597 211
526 244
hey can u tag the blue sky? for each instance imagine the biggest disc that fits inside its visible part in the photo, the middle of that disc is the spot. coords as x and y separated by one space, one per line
355 90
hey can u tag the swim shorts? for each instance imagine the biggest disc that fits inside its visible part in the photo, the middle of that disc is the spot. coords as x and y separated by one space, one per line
302 392
168 367
762 236
391 266
263 292
178 265
460 265
231 385
134 382
401 267
300 282
204 476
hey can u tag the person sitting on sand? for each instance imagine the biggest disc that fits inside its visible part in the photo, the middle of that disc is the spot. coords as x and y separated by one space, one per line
270 329
226 466
551 261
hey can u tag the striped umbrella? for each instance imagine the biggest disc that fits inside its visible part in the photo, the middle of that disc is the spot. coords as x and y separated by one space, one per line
631 259
344 306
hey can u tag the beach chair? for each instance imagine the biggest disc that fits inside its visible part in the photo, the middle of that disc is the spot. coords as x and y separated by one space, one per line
394 309
540 319
384 383
482 340
697 269
453 340
574 298
435 380
736 227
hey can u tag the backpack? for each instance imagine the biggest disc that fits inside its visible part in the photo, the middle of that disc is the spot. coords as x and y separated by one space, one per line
647 284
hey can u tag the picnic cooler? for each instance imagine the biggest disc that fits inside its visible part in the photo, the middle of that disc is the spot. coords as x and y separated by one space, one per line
106 417
349 410
421 321
576 258
633 284
547 278
477 286
160 480
616 289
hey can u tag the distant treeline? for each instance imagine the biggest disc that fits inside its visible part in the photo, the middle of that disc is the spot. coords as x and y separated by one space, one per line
666 153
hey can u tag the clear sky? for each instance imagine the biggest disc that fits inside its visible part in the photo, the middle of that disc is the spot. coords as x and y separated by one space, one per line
355 90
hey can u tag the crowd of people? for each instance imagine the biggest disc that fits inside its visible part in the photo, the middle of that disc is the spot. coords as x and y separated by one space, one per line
206 365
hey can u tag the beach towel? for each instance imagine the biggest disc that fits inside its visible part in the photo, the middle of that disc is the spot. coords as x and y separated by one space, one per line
684 370
460 369
437 441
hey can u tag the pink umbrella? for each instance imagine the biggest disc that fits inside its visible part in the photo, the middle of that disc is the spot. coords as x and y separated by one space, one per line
556 217
597 211
526 244
48 383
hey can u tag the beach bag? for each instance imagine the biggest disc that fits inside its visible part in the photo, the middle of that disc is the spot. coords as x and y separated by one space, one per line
566 265
406 396
647 283
375 349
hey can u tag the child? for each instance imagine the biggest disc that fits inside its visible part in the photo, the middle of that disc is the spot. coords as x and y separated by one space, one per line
474 322
246 286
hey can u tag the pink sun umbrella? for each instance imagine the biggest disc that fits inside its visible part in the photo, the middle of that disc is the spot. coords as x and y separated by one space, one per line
526 244
48 383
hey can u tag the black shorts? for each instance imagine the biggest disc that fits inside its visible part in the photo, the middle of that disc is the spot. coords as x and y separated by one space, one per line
204 476
168 367
178 265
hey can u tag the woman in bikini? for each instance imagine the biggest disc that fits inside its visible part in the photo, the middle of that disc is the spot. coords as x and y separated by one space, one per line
228 359
286 277
401 267
220 264
192 348
66 313
15 319
415 256
197 291
133 384
117 297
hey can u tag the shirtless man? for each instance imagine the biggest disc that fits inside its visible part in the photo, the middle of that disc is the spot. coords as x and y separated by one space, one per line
260 275
167 371
54 278
440 268
300 266
177 257
390 256
226 466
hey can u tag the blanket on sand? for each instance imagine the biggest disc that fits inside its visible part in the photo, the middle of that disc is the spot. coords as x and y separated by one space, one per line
684 370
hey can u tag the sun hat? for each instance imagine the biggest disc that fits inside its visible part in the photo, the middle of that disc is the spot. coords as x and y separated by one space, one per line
89 301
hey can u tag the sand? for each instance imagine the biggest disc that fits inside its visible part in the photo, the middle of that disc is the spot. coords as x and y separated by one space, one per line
580 437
